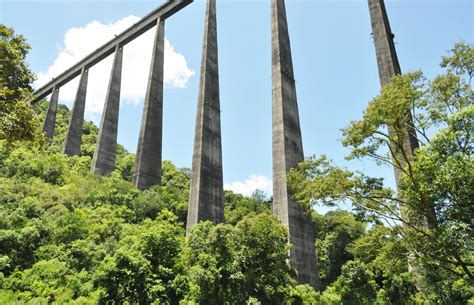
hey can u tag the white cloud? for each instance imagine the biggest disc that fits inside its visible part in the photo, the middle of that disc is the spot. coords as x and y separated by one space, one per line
79 42
251 184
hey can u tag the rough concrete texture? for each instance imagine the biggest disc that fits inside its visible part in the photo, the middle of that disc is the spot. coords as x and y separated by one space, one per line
206 200
50 120
389 66
387 59
148 162
103 162
73 141
288 151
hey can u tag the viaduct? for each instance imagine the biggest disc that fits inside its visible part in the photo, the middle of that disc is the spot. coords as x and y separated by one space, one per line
206 200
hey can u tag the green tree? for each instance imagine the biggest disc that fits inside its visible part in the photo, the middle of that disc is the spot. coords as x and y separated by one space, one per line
304 295
15 75
439 179
355 285
237 206
233 265
335 232
17 119
149 254
172 194
383 251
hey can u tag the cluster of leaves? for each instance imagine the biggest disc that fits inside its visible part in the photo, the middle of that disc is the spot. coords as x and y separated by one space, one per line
225 266
237 206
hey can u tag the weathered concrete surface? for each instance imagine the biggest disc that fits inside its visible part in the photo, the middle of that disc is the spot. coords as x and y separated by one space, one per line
103 162
206 200
288 151
50 120
148 162
387 59
165 10
73 141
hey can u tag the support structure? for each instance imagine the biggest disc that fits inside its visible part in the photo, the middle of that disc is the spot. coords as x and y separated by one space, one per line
148 163
50 120
387 59
288 151
206 200
389 66
103 162
73 141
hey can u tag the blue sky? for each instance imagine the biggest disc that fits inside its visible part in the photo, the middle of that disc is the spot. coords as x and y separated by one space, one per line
333 54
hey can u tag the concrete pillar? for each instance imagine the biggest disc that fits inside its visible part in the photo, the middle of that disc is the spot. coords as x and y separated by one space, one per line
288 151
388 67
148 162
206 200
73 141
50 120
387 59
103 162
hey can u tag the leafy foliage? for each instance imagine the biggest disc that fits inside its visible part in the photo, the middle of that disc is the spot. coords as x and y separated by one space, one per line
233 265
429 218
335 232
17 119
237 206
15 75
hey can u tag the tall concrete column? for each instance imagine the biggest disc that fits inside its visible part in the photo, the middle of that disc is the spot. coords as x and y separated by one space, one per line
103 162
388 67
206 200
50 120
148 162
288 151
73 141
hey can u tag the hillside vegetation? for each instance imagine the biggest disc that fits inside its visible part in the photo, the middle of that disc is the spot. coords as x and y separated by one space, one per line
70 237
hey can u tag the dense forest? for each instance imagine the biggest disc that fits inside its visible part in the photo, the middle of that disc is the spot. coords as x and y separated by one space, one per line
70 237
